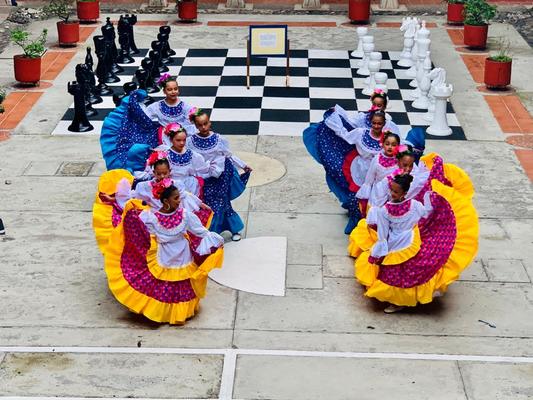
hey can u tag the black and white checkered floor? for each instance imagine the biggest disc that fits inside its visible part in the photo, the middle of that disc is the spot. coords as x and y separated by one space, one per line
214 79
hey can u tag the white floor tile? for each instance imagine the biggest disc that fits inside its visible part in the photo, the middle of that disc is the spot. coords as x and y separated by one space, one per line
331 93
285 103
236 114
204 61
318 72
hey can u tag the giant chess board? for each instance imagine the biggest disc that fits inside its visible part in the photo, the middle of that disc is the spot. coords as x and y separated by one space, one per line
214 79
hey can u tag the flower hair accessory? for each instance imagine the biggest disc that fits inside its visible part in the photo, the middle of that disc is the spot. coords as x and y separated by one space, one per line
378 91
159 187
172 127
156 156
163 79
400 149
195 112
373 108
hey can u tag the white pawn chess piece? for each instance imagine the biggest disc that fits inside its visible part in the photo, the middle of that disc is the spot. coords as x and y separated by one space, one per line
373 67
437 77
361 31
422 102
374 56
367 49
408 43
411 72
381 81
439 126
366 39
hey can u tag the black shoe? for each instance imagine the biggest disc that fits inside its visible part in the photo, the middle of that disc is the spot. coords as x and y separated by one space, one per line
2 229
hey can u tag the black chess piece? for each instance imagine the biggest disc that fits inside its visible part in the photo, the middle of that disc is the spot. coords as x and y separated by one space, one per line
166 29
132 19
124 41
89 59
156 50
141 76
83 81
80 123
85 76
165 56
102 68
128 88
105 47
150 82
108 30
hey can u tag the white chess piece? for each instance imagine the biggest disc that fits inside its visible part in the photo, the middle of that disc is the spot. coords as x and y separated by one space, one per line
373 66
437 77
411 72
366 39
408 43
423 48
422 102
367 49
361 31
381 81
374 56
439 126
424 32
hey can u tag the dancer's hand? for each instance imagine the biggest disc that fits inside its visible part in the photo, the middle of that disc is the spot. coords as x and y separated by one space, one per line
106 198
247 169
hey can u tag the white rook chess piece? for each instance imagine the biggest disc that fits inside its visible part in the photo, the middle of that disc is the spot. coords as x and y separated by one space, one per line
366 40
361 31
367 49
373 66
374 56
409 26
439 126
437 77
422 102
381 81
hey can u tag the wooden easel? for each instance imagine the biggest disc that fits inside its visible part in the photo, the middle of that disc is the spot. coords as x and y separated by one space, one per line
248 59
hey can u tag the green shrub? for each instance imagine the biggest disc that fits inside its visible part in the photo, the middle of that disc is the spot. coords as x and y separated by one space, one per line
478 12
59 8
32 48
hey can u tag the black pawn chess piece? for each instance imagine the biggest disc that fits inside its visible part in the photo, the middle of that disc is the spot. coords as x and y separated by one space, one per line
108 30
89 59
166 29
148 65
128 88
156 49
102 68
141 76
83 81
80 123
165 56
124 41
132 19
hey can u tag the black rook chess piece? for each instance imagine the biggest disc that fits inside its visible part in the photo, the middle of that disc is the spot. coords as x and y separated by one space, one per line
166 29
80 123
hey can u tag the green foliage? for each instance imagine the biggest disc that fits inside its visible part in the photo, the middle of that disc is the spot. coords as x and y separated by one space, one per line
478 12
2 98
503 54
59 8
455 1
32 48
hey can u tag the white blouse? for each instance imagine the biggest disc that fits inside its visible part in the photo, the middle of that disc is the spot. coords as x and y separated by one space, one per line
395 223
165 114
360 120
380 166
169 229
215 149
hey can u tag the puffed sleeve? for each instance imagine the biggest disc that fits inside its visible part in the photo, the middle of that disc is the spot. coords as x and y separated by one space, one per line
216 166
152 110
360 120
423 210
381 247
124 192
365 190
344 114
380 193
144 175
209 239
335 124
149 219
224 147
200 166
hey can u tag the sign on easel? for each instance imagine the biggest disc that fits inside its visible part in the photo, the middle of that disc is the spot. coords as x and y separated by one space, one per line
267 41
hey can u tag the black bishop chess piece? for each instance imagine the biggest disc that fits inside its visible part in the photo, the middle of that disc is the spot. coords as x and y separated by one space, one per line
128 88
89 59
132 19
83 79
141 76
108 30
124 56
165 56
166 29
150 83
80 123
102 68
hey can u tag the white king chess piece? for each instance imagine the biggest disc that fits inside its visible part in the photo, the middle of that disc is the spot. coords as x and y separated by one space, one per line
439 126
361 31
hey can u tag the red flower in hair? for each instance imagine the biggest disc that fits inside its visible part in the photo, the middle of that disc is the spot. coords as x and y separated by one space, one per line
172 127
159 187
400 149
156 156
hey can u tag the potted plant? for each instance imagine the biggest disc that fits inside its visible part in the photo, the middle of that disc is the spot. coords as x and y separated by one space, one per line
187 10
2 98
28 65
359 11
88 10
456 12
478 13
498 68
68 32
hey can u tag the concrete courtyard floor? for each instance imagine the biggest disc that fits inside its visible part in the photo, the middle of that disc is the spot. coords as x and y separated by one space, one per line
63 334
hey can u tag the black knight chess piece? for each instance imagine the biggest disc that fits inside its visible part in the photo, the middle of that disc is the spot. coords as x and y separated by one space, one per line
128 88
80 123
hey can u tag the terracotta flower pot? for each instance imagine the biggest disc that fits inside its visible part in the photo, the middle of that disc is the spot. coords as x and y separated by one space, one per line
88 11
497 73
476 36
456 13
188 10
359 10
68 33
27 70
